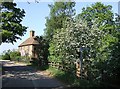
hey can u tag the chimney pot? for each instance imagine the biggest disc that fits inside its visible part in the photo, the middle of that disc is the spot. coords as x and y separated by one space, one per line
32 33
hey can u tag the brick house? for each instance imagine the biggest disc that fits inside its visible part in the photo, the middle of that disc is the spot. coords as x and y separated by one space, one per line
28 47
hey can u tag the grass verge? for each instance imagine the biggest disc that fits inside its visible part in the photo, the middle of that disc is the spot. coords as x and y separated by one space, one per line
66 77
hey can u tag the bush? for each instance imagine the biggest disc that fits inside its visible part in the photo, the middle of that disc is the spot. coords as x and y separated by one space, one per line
6 56
15 55
11 55
24 59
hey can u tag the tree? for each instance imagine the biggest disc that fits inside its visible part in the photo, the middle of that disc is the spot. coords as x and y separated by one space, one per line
113 63
103 14
99 40
42 51
11 18
104 18
6 55
15 55
117 22
58 14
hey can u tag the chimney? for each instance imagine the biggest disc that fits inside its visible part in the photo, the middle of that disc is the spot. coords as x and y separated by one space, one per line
32 33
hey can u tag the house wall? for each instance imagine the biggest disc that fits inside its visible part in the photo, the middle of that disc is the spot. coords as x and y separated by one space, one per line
27 50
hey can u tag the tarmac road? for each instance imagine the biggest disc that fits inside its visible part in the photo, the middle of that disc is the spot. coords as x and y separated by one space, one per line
23 76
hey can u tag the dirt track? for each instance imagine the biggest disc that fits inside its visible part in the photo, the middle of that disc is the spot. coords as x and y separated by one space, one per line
21 75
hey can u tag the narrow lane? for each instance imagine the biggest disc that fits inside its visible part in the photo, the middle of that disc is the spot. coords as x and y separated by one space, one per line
23 76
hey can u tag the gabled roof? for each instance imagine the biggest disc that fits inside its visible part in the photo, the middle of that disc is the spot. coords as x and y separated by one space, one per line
29 41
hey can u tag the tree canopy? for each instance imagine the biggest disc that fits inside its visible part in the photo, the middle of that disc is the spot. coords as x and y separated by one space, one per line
103 14
58 14
95 29
11 18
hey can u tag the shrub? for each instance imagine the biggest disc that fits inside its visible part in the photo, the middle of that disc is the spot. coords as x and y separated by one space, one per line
6 56
15 55
24 59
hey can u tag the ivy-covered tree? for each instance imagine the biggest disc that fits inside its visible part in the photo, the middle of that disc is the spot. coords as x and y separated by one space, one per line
11 18
58 14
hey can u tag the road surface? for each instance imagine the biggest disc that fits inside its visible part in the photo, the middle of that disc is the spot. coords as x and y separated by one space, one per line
23 76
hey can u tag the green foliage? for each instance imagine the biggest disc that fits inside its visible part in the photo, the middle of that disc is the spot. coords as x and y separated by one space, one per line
24 59
103 14
6 55
0 57
113 63
76 34
15 55
42 51
11 55
11 26
58 14
65 77
117 22
95 30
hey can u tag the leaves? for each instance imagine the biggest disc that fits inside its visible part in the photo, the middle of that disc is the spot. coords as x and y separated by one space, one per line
95 30
58 14
98 11
42 51
11 26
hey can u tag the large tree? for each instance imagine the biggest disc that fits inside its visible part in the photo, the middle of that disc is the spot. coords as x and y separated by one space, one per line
101 13
11 18
103 16
98 34
58 14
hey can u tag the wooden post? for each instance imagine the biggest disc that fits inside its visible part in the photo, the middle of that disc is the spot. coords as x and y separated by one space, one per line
78 69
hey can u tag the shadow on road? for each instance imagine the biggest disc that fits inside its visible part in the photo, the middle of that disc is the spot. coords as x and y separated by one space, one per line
17 76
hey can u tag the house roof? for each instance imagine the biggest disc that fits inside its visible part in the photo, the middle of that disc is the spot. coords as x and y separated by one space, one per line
29 41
